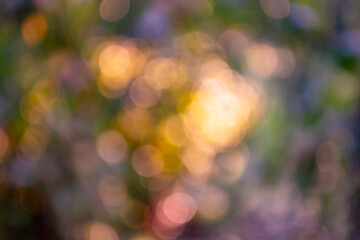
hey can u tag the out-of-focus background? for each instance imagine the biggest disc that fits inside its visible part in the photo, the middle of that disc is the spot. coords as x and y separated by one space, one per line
176 119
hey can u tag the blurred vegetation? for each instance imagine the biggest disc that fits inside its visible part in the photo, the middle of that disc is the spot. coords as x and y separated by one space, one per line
169 119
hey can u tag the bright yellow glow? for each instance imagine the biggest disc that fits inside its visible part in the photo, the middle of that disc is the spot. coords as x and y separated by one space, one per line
114 61
111 146
114 10
262 60
34 29
277 9
119 63
112 191
220 111
147 161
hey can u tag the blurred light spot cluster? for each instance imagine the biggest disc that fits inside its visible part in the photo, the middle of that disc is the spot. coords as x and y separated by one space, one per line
176 119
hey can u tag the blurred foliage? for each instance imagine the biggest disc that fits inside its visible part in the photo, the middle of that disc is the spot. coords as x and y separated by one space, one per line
170 119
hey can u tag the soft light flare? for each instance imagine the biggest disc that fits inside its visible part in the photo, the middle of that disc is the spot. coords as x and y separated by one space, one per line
111 147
